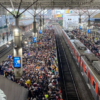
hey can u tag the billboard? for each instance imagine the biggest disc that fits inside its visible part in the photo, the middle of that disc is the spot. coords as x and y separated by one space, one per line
17 62
69 11
58 15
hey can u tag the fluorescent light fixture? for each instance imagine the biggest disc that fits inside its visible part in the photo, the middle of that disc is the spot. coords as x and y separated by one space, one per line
16 29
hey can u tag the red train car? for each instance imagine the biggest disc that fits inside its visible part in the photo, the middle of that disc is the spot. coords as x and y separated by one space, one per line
89 64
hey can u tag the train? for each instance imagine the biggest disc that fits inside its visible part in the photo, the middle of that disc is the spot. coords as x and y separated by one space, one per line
88 63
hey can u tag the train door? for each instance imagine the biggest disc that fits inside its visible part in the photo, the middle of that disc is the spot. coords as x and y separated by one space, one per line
89 76
98 93
85 73
81 65
95 89
79 59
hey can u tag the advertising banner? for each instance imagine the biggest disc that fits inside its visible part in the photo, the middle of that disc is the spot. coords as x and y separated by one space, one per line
17 62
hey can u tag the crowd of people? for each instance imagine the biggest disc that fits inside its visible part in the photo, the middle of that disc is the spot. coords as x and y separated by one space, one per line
40 69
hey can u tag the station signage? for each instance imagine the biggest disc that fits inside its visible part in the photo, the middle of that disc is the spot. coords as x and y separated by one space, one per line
9 56
89 31
17 62
40 32
80 27
34 40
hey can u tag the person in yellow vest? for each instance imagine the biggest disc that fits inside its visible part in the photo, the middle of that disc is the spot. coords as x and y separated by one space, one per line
46 96
28 82
57 69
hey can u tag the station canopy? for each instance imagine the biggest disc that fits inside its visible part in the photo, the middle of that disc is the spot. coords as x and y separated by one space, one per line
51 4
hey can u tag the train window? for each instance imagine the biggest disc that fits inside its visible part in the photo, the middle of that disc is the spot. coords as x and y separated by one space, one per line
94 84
89 76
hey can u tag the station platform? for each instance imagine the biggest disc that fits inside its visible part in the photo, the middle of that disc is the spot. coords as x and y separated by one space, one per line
40 68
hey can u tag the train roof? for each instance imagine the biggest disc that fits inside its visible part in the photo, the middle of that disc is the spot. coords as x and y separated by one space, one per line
92 68
79 45
89 59
96 65
69 33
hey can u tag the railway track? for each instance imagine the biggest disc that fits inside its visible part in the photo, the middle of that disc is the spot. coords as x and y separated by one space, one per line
82 89
5 51
68 85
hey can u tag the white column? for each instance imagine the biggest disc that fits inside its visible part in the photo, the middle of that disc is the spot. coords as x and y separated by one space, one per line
80 23
17 50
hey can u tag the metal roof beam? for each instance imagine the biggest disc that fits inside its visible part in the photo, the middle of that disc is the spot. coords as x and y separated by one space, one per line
19 7
28 7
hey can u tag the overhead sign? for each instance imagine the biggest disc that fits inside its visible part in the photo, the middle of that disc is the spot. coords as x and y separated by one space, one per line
9 56
80 27
40 32
34 39
89 31
17 62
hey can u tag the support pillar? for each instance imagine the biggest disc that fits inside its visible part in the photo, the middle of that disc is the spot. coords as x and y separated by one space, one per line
7 23
17 50
43 23
34 30
89 26
40 23
89 21
80 24
34 27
